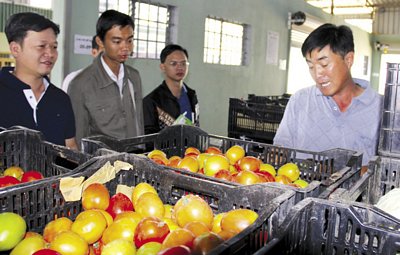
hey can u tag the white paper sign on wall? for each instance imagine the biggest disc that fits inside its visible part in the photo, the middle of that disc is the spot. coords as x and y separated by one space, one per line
82 44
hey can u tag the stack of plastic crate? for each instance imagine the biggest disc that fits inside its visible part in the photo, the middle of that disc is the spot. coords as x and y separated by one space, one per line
256 118
28 150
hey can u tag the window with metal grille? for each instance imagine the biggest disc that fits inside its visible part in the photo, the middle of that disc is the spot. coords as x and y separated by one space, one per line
154 26
225 42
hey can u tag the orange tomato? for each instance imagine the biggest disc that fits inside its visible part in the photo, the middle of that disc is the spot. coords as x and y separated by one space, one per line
235 153
290 170
140 189
168 209
238 219
159 159
247 177
226 234
69 243
192 151
90 225
150 204
124 228
193 208
189 163
95 196
135 217
214 163
150 229
283 179
14 171
213 150
119 247
174 160
107 216
249 163
55 227
197 228
156 152
216 224
180 236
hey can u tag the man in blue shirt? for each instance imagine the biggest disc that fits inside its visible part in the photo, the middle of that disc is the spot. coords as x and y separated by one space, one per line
339 111
27 98
173 97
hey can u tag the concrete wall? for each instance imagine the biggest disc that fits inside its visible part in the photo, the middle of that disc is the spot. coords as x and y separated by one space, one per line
215 84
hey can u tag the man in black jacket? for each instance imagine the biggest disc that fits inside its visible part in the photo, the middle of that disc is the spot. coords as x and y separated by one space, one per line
173 97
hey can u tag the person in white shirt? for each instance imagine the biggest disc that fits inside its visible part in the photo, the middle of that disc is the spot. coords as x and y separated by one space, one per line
95 51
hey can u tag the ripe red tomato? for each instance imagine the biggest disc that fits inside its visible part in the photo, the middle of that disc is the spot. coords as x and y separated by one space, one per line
46 252
6 181
177 250
150 229
119 203
95 196
31 176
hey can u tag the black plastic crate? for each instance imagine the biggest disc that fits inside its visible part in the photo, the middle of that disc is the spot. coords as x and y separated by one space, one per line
384 175
39 203
325 171
316 226
253 120
277 100
27 149
389 144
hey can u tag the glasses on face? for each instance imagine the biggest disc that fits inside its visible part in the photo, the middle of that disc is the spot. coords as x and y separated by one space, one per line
176 63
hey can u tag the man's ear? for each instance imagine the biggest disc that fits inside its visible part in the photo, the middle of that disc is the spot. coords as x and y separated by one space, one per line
349 59
15 49
99 42
162 67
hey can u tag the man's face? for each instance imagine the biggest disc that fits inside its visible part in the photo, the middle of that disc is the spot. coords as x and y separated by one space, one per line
37 54
117 45
176 66
330 71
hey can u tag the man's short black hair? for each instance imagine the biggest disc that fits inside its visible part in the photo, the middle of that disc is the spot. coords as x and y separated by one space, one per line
171 48
18 25
111 18
339 39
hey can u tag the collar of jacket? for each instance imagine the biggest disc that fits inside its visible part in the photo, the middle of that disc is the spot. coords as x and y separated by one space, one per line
103 79
190 92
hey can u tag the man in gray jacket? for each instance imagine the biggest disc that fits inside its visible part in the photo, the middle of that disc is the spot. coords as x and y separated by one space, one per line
107 95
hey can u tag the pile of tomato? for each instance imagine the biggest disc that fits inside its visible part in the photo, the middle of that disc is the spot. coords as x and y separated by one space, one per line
232 165
137 223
